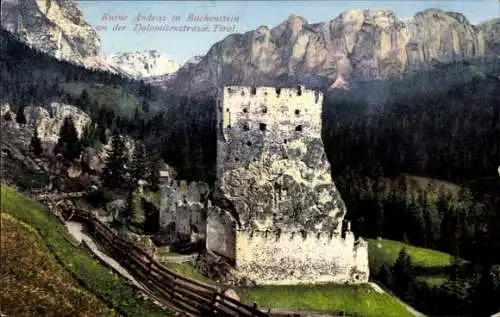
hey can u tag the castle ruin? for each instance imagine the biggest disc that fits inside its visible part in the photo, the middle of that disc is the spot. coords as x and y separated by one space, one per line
276 214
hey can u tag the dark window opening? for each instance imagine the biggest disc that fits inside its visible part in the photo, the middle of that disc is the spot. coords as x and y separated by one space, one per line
236 159
265 94
242 93
262 126
229 126
264 110
299 91
229 90
249 143
246 127
245 110
316 96
227 109
297 111
278 91
285 140
298 128
254 91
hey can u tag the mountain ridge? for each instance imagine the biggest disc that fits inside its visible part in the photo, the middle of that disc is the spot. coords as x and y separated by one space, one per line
357 45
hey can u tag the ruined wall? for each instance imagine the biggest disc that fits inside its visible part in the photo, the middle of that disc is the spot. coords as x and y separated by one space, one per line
221 233
184 204
300 257
272 170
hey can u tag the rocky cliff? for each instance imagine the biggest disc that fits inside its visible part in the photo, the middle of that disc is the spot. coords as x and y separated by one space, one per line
55 27
358 45
489 32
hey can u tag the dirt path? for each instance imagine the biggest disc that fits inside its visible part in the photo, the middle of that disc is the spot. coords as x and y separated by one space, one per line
179 258
76 230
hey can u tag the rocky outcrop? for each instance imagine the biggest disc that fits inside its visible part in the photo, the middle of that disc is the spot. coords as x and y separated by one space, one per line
357 45
48 121
4 108
54 27
489 32
92 160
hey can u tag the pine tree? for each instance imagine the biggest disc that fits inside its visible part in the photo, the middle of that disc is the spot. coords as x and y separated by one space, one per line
113 173
129 209
21 118
154 170
432 222
403 275
90 135
8 116
68 144
101 132
384 275
139 163
145 106
83 102
36 144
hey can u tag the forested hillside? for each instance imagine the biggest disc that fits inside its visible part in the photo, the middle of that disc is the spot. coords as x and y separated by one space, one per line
443 126
178 127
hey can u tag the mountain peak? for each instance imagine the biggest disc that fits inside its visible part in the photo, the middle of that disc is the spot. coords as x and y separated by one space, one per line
54 27
144 63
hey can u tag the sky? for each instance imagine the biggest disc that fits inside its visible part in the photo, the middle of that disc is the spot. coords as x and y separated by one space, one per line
182 43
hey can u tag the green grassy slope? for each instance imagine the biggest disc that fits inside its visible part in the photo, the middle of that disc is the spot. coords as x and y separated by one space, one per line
114 291
33 282
434 262
353 300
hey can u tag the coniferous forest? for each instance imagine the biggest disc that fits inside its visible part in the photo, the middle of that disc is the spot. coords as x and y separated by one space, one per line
421 167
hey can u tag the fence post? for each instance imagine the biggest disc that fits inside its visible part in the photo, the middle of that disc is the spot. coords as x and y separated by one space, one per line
255 309
172 289
149 270
214 302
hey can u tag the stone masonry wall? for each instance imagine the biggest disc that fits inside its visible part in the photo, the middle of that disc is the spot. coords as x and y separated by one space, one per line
300 257
184 204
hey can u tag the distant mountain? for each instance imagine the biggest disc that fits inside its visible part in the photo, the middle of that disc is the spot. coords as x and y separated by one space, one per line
358 45
144 64
58 28
54 27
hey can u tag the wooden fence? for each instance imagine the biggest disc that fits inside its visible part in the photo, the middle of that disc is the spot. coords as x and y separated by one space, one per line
184 294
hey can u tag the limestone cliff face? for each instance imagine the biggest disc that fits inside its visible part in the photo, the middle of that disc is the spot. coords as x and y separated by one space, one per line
48 122
489 32
56 27
272 172
357 45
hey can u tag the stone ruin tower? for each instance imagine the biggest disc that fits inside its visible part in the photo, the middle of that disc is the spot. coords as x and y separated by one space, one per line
276 214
